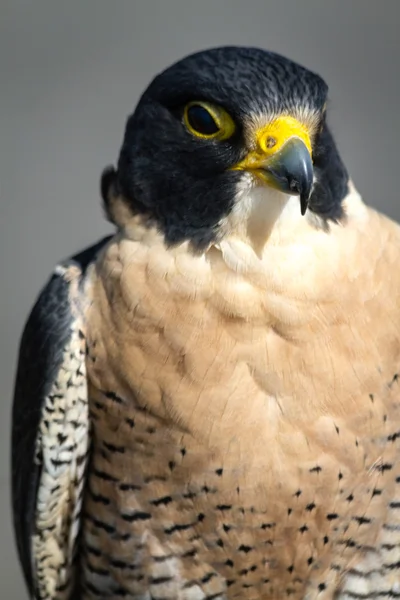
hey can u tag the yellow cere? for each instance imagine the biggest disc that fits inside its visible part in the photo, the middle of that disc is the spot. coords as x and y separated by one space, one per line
271 138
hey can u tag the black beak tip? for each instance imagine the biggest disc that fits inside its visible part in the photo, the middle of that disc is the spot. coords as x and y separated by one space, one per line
303 204
303 191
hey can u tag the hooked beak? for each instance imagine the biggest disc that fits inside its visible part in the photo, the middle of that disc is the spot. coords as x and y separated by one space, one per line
291 171
282 159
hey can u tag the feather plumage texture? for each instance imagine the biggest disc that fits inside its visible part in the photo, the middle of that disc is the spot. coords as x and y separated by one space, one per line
246 433
50 440
236 363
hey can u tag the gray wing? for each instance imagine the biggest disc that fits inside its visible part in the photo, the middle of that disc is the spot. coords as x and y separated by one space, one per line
50 432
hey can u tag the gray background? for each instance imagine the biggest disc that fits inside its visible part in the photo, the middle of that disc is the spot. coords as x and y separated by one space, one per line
72 70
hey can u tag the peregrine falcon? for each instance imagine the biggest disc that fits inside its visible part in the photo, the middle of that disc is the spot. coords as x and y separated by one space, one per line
207 401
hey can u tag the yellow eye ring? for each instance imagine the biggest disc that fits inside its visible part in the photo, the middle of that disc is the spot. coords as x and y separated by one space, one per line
208 121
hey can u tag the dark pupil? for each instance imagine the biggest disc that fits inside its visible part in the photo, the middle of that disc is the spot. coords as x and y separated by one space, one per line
201 120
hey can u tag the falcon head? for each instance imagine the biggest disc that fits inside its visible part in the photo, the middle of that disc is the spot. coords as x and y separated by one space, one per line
225 141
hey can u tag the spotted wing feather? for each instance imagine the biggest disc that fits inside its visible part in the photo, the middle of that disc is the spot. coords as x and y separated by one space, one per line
50 431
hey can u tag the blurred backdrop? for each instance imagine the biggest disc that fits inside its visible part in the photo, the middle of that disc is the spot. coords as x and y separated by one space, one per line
70 73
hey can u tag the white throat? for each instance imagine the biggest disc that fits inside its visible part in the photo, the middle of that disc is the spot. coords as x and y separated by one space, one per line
262 214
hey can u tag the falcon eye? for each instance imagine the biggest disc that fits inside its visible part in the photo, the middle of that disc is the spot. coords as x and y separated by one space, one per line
201 121
207 121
